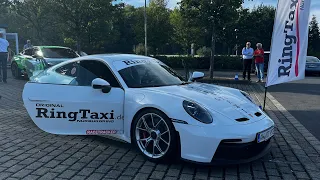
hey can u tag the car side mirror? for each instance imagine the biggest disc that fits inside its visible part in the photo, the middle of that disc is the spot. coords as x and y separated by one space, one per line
102 84
197 75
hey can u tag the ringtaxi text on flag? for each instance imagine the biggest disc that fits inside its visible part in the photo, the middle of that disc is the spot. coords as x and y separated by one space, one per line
289 42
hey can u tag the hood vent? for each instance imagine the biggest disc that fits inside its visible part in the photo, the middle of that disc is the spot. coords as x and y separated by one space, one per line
242 119
258 114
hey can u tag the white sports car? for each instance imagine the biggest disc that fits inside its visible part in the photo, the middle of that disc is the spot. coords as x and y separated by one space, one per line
142 101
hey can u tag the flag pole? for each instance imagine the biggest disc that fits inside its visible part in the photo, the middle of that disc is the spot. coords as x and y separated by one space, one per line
265 98
272 38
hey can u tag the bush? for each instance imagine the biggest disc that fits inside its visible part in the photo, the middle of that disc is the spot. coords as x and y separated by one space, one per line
139 49
204 51
220 62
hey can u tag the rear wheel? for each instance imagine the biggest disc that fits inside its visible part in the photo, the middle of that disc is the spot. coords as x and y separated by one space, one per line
154 135
15 70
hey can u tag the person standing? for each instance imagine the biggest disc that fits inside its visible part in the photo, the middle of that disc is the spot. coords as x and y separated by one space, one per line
4 44
259 61
28 45
247 56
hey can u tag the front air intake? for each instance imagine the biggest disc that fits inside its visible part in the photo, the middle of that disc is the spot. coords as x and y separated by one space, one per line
258 114
242 119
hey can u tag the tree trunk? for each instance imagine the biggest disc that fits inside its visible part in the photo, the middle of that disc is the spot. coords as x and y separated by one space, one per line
213 47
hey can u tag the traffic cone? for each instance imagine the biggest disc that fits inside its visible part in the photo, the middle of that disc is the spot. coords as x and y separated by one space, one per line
236 77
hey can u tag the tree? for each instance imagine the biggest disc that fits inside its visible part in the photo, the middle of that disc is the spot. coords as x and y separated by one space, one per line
86 20
182 34
38 16
257 26
212 16
314 37
159 27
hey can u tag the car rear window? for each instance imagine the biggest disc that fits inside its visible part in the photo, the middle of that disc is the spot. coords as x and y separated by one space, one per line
59 53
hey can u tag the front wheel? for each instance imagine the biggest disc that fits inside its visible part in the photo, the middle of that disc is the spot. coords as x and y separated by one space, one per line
154 135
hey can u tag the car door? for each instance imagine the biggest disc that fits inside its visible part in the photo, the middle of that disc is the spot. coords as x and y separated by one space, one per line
30 63
62 101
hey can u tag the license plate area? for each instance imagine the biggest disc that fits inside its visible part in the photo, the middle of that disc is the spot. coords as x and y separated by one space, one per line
265 135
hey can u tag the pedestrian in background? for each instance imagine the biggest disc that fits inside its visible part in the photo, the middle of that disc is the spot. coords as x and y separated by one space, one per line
247 56
259 61
4 44
28 45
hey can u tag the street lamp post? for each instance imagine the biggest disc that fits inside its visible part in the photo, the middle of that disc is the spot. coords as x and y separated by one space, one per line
145 29
236 30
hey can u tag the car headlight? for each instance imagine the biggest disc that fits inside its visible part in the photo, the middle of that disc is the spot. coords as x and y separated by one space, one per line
250 98
197 112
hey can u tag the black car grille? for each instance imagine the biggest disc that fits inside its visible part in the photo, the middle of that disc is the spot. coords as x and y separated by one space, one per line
239 151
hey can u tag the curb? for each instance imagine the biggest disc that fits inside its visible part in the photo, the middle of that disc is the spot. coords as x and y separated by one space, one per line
315 143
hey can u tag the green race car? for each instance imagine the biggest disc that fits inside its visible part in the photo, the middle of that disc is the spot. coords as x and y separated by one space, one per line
36 59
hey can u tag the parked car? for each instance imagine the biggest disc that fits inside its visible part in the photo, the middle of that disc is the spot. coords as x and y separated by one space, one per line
142 101
312 65
37 58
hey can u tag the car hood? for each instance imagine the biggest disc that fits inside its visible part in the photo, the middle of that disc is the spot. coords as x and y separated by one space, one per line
228 102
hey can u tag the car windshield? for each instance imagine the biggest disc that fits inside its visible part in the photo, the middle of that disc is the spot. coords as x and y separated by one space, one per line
312 60
59 53
150 75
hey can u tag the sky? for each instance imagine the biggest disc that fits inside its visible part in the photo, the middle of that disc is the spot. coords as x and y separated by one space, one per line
315 4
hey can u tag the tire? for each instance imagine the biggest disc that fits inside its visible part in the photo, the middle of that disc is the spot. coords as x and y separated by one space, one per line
161 134
15 71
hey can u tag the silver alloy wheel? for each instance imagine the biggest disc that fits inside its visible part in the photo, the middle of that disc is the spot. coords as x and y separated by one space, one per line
153 135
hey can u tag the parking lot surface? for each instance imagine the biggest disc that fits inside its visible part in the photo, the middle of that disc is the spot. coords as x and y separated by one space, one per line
302 100
26 152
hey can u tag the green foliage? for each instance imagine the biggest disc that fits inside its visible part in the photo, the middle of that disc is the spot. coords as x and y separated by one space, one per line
139 49
256 26
204 51
109 26
314 38
212 16
159 26
221 62
182 34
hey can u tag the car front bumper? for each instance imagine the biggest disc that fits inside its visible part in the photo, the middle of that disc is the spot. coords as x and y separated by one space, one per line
233 153
223 144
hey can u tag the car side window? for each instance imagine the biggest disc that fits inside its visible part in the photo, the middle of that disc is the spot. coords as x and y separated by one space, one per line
84 72
91 69
69 70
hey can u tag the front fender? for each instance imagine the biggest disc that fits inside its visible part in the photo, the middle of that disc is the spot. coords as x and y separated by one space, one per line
19 61
170 105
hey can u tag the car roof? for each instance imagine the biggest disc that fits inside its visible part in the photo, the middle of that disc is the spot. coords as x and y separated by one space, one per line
42 47
109 58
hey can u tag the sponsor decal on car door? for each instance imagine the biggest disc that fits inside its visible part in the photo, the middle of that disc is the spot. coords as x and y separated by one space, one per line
74 110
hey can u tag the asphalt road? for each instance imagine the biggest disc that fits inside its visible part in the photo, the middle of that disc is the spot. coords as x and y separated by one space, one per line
302 100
